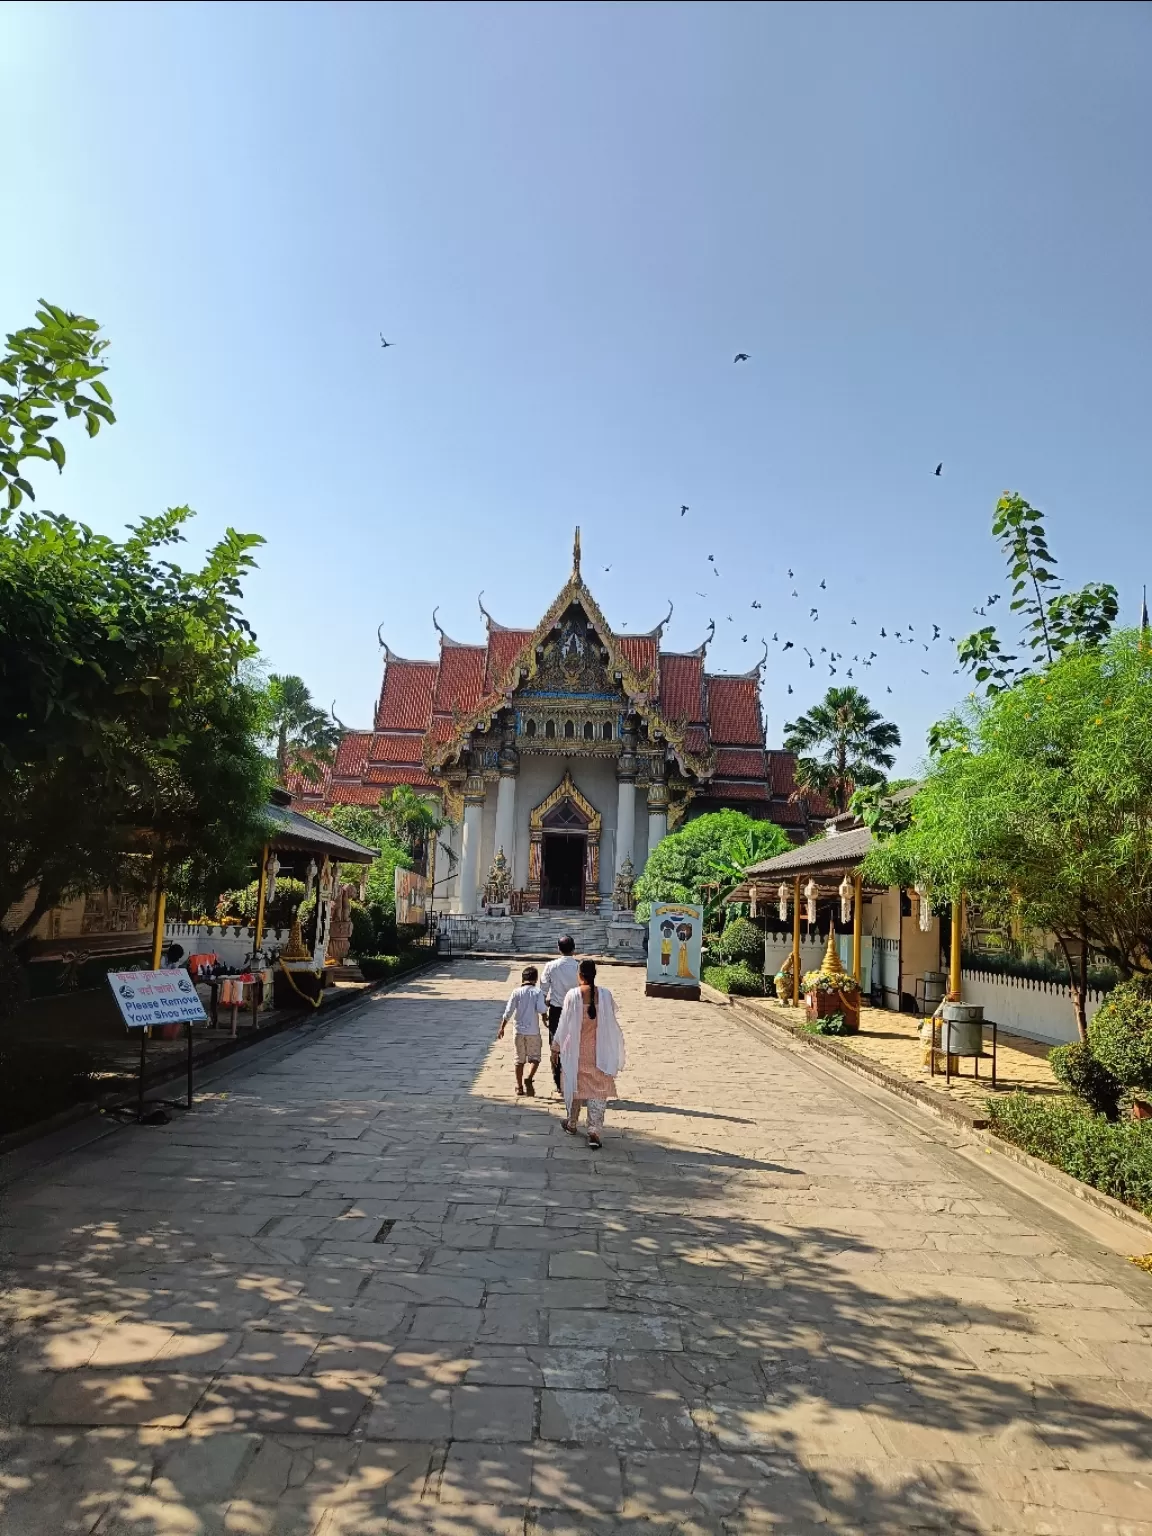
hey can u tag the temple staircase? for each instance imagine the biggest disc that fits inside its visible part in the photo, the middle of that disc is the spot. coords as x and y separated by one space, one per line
536 933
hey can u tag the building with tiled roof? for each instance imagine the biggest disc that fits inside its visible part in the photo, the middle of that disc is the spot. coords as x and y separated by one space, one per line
542 742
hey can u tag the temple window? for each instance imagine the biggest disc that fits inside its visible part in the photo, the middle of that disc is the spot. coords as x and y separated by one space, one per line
606 730
589 730
549 728
569 730
530 728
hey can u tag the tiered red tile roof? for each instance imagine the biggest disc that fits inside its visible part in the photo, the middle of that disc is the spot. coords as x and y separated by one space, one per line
424 701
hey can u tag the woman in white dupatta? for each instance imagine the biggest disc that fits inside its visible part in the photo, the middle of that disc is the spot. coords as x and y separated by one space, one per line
590 1049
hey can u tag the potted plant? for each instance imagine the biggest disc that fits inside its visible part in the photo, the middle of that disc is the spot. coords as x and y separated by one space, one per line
830 989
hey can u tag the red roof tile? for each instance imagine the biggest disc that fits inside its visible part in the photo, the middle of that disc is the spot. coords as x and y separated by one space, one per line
782 772
504 645
387 774
351 754
460 682
725 789
696 739
734 711
681 690
406 696
740 763
297 784
639 651
396 747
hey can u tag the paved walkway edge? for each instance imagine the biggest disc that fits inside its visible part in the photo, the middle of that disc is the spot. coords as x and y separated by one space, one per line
771 1030
168 1076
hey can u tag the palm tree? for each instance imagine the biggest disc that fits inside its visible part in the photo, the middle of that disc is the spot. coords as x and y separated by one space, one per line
305 737
841 743
410 819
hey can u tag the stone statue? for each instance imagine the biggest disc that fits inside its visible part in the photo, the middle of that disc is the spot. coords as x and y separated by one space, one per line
498 890
783 981
623 899
340 933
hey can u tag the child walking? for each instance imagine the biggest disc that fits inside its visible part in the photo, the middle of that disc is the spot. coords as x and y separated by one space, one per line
526 1007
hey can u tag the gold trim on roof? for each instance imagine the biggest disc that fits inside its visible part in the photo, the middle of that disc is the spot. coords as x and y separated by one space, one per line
566 790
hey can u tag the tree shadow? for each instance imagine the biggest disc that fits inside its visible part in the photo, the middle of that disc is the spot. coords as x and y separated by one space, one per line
312 1308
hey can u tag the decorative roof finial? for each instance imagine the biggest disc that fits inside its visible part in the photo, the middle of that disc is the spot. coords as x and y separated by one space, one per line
336 717
576 555
436 625
664 622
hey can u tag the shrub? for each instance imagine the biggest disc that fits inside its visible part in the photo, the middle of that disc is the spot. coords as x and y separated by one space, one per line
363 941
240 905
736 980
830 1024
741 940
385 967
1113 1157
383 927
1121 1033
1075 1066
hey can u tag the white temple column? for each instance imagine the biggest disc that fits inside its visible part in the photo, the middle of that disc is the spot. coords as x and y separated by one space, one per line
505 817
625 821
657 827
470 853
657 808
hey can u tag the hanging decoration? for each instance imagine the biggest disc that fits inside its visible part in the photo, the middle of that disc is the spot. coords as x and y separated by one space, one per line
310 878
925 909
753 895
811 891
847 891
272 868
782 900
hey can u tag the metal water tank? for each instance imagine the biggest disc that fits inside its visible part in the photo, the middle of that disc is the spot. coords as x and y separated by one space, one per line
962 1029
933 985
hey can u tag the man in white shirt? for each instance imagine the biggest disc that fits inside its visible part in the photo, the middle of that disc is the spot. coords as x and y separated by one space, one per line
559 977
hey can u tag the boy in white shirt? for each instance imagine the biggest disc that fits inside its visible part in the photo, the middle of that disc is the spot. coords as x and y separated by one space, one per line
560 976
526 1006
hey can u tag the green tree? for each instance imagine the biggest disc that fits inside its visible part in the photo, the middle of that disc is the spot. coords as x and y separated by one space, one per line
128 741
45 368
302 736
371 826
705 859
411 820
841 743
1041 810
1054 620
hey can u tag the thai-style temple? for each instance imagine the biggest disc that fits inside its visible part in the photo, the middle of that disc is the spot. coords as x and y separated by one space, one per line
568 747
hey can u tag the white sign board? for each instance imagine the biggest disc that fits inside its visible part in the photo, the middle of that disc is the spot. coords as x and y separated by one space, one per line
156 997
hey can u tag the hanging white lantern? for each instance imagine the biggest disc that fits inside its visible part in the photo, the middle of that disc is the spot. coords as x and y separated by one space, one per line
273 869
925 912
753 894
847 891
811 891
782 900
309 878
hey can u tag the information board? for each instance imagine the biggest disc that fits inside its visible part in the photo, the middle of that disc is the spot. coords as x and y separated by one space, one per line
156 997
674 933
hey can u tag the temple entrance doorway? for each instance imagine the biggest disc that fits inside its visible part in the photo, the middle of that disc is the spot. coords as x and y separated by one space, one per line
562 870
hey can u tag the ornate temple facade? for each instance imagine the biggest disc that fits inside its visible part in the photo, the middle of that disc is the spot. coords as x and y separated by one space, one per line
568 747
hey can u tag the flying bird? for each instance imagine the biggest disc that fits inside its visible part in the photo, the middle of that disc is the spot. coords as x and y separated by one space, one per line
889 690
607 568
729 618
982 612
924 670
813 613
741 357
683 509
775 636
849 671
823 586
795 593
806 651
701 594
811 663
743 639
883 634
995 598
939 471
384 343
789 687
853 621
715 572
712 558
788 644
935 631
831 671
755 604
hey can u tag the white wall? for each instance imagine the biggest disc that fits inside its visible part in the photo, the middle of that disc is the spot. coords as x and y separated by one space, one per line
539 776
233 944
778 946
1040 1010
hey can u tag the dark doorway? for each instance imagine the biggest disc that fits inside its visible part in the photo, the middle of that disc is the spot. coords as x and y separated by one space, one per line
562 870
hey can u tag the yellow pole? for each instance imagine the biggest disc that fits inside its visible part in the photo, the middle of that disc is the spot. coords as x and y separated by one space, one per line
158 928
857 925
261 893
955 980
796 941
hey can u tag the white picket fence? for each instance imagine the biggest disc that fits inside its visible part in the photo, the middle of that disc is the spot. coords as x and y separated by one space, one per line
1041 1010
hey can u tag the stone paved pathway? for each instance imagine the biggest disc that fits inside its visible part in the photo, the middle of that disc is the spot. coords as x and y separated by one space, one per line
369 1291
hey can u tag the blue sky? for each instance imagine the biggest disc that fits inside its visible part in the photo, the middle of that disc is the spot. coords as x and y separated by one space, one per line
928 225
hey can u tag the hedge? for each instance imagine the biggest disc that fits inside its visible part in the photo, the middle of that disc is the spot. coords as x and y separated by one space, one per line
1115 1157
384 967
737 980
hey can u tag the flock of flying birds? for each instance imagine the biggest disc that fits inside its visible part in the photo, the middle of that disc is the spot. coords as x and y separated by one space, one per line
905 636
